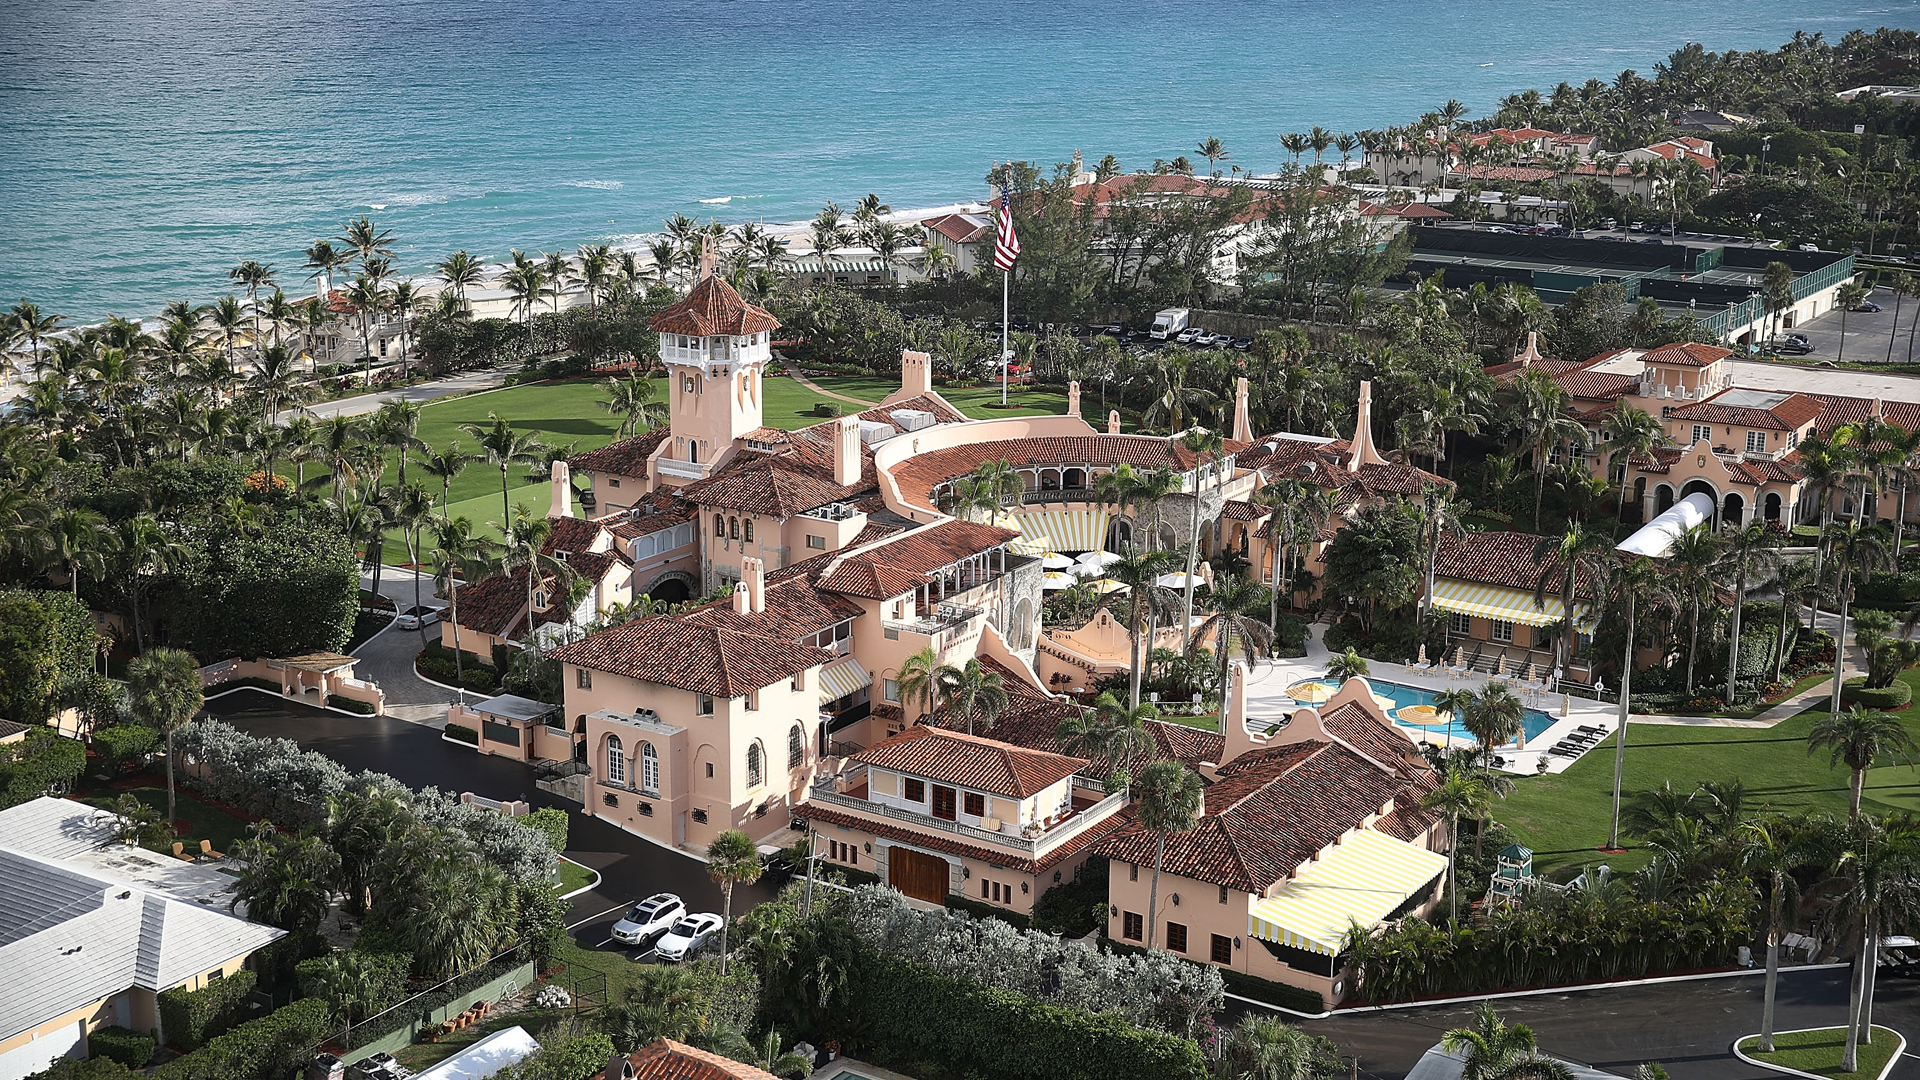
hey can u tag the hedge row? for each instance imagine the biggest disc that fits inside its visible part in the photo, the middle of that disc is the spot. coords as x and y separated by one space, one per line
130 1048
191 1017
352 705
269 1048
462 733
440 667
123 745
44 758
1273 993
916 1021
1855 691
247 682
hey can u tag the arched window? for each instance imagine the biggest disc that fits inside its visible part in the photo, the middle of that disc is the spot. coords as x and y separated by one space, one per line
733 528
753 764
719 525
746 530
796 748
649 767
616 761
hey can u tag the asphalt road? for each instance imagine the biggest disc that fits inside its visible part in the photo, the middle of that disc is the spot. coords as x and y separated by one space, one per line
1688 1027
630 868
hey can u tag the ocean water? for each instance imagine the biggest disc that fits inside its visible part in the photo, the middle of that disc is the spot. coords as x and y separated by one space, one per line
148 145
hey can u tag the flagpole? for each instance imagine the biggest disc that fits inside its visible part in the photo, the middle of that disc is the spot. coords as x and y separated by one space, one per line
1006 280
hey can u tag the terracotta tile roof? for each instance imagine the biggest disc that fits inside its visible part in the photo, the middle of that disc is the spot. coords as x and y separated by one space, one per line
1383 742
1397 478
1031 720
572 535
874 530
771 486
1687 354
971 761
1320 463
1836 410
691 656
1663 459
794 609
660 510
1596 385
628 457
669 1060
487 605
960 228
918 476
943 413
1789 415
941 842
1522 174
900 565
1240 510
713 308
1270 811
1498 558
1765 471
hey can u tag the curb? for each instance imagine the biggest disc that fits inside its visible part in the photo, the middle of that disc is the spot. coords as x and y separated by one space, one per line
1892 1060
589 886
444 737
284 698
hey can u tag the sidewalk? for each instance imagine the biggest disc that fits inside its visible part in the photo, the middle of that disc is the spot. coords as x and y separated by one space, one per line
818 389
1791 706
454 386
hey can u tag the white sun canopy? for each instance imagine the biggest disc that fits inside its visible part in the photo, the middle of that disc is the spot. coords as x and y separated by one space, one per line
1656 538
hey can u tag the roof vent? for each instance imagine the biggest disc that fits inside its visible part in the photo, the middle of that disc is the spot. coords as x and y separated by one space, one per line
912 419
873 432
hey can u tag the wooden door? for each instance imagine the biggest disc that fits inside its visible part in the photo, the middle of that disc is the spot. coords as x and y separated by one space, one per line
919 875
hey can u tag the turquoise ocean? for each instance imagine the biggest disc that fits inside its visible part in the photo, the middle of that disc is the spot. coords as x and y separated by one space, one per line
148 145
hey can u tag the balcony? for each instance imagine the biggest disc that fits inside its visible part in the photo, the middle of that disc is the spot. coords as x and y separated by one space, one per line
942 617
1090 804
1059 495
684 470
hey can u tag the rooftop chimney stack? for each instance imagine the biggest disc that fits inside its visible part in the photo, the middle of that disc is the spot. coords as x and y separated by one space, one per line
562 492
1073 398
740 601
916 373
846 452
1242 424
1113 421
753 573
1364 452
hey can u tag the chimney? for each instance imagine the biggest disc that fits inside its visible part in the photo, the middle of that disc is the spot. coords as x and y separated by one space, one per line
1073 398
562 492
753 574
916 374
846 452
1113 422
1242 425
1531 355
740 601
1363 449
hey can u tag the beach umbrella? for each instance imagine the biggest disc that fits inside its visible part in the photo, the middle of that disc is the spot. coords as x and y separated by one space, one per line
1053 560
1176 581
1055 580
1310 691
1105 585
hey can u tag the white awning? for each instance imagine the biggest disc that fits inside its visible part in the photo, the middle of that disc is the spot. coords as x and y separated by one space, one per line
842 677
1070 530
1656 538
1361 880
1505 605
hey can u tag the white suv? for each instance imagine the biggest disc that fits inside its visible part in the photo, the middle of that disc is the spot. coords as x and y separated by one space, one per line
645 921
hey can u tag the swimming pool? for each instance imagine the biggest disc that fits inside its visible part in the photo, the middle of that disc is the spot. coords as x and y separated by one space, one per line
1533 721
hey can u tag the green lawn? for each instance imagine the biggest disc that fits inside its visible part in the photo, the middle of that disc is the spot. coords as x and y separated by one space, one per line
620 971
197 821
573 877
423 1055
1819 1051
1564 818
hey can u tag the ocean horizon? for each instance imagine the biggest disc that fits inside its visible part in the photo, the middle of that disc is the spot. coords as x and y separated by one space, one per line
147 146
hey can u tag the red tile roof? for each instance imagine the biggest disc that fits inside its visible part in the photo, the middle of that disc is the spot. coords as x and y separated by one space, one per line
959 228
691 656
1687 354
1597 385
900 565
933 841
1270 811
712 308
1789 415
794 610
1386 744
628 457
971 761
1499 558
665 1059
919 475
774 486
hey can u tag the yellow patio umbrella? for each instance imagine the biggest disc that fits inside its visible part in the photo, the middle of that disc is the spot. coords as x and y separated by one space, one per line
1423 715
1105 585
1310 691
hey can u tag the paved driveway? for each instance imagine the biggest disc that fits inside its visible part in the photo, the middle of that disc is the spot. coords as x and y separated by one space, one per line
1688 1027
630 868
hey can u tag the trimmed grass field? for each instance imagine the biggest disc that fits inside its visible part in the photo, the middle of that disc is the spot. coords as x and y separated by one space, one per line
1564 818
573 877
1818 1051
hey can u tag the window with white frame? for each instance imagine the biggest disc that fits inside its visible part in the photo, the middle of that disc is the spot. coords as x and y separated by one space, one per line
1502 631
890 690
616 761
753 765
704 706
649 767
1756 442
1459 622
1702 432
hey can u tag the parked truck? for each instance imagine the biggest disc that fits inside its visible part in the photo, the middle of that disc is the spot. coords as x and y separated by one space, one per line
1169 322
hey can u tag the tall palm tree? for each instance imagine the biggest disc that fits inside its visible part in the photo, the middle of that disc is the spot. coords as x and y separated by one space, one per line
1543 425
732 859
1798 585
1140 571
1460 793
920 678
558 268
504 447
974 692
525 534
1215 152
1495 718
444 464
325 261
404 300
1230 621
33 325
1630 433
1577 555
252 276
1168 794
367 241
147 549
1857 737
397 426
631 398
1111 733
1846 298
458 556
1880 864
367 299
461 272
1853 549
1770 852
1207 448
1750 550
1695 556
1629 582
76 540
227 317
163 690
413 512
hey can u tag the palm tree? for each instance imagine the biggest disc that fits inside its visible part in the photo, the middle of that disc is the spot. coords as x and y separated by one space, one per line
1140 571
445 463
732 859
163 690
632 399
558 268
1266 1048
34 327
1543 425
252 276
413 512
397 426
767 1056
920 679
1460 793
1771 852
1631 433
1753 549
403 300
1630 581
1112 733
1491 1050
974 691
1853 549
366 298
76 540
283 880
1206 447
504 447
1575 555
1168 794
1695 555
274 379
1215 152
1857 737
1347 665
457 913
1495 718
325 260
1231 621
368 241
458 555
227 317
1798 585
525 535
147 549
461 272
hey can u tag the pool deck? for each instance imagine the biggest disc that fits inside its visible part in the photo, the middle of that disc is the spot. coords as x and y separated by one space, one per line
1268 700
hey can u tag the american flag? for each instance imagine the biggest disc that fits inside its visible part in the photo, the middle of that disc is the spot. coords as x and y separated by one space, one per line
1006 246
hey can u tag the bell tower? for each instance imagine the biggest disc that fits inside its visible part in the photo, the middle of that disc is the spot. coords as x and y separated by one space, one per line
715 347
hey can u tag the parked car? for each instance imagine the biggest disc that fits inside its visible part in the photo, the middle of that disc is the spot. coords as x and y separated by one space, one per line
1243 344
418 616
1800 339
646 921
1809 247
1792 348
687 935
1607 223
1190 335
1866 306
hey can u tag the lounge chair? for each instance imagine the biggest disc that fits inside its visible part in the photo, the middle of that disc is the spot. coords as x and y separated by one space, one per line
180 852
206 848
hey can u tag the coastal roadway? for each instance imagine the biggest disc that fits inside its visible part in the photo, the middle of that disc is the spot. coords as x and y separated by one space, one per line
630 868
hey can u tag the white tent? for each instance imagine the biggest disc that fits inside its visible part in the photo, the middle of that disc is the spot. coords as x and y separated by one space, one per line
1656 538
501 1050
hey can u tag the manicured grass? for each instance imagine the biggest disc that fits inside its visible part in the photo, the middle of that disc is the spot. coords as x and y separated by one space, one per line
573 877
1748 712
1205 721
422 1055
621 972
197 820
1564 817
787 405
1818 1051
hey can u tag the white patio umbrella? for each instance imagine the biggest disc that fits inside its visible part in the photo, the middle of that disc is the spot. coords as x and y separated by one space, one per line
1097 560
1178 581
1105 585
1053 560
1053 579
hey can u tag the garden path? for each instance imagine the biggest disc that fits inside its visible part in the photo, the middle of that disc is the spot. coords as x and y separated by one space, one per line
818 389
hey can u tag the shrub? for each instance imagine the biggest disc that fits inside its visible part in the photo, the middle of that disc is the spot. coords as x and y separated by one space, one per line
1076 907
293 590
269 1048
191 1017
35 765
1855 691
826 408
581 1055
481 680
980 909
462 733
1290 635
1297 998
352 705
247 682
553 822
379 980
46 649
130 1048
95 1068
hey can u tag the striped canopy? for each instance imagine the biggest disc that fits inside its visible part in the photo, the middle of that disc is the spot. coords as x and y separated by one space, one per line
1507 605
842 677
836 266
1361 880
1070 530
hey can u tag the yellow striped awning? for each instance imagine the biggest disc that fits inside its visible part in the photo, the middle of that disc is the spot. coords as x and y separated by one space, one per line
842 677
1361 880
1070 530
1507 605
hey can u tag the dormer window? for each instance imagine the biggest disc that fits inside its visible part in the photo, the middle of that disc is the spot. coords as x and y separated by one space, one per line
539 599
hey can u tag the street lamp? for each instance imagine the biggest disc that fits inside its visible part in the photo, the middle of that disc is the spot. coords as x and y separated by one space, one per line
1766 144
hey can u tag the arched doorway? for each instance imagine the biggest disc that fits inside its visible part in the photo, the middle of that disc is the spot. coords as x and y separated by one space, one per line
1662 498
1772 505
1733 511
1701 487
1639 496
672 587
